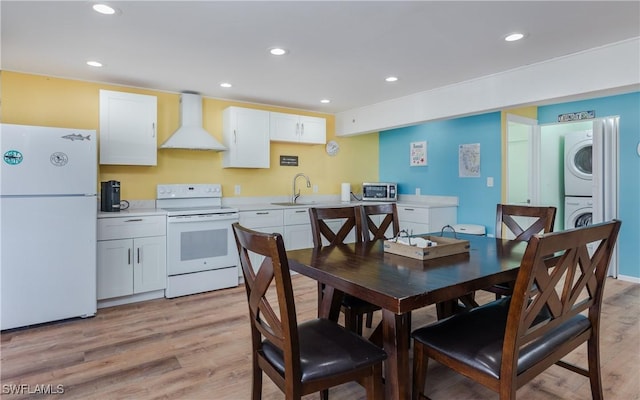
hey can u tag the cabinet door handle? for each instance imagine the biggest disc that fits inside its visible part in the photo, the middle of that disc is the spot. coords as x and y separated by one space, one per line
300 211
262 213
235 137
134 220
297 128
138 255
301 129
129 256
153 129
409 209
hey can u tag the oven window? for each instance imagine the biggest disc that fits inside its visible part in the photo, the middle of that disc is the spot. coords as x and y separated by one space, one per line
195 245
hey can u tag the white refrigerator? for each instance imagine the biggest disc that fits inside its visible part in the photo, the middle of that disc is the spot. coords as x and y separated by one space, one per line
48 207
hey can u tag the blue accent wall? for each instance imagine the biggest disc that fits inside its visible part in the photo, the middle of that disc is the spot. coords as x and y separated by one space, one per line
477 202
626 106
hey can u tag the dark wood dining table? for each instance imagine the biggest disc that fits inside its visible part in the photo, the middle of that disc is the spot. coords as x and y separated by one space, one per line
401 284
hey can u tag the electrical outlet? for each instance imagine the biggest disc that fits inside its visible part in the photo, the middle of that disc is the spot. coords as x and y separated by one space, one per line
315 188
237 190
417 191
490 181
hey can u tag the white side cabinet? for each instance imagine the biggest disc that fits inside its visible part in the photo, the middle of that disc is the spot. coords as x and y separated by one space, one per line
128 128
131 257
418 220
266 221
297 229
246 136
298 128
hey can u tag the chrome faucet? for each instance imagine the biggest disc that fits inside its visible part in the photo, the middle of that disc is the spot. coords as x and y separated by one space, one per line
296 195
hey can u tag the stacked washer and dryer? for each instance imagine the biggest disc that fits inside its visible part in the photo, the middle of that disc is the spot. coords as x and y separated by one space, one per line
578 178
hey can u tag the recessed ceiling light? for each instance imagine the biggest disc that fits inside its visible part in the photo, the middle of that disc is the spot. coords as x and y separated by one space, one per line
94 63
391 79
512 37
104 9
278 51
225 85
325 101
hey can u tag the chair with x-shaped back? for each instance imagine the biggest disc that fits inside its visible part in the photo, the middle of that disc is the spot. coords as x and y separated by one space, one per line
334 225
520 223
389 214
300 358
555 307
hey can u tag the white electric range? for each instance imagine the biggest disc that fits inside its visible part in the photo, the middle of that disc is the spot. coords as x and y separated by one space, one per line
201 249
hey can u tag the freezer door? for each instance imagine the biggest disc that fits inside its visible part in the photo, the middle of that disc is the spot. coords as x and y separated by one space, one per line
39 160
48 259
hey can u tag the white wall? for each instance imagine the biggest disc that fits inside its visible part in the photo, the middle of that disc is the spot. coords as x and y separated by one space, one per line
596 72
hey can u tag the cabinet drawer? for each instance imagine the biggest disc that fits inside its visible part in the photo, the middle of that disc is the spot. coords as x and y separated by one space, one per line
131 227
296 216
413 214
261 218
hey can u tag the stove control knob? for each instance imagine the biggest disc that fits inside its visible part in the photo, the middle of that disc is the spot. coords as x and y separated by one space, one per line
217 189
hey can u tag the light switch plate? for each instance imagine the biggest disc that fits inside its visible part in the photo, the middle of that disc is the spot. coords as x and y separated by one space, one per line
236 189
490 181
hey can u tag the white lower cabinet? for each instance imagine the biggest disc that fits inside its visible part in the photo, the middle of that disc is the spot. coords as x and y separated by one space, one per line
131 257
419 220
266 221
297 229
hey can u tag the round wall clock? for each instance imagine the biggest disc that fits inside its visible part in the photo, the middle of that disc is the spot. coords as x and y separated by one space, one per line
332 147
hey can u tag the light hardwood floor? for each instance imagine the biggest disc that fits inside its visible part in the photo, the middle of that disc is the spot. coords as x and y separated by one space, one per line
197 347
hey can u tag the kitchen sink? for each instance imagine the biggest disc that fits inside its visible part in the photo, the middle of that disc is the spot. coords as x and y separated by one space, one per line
290 204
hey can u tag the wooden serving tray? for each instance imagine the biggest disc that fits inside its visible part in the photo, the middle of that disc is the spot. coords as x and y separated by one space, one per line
446 247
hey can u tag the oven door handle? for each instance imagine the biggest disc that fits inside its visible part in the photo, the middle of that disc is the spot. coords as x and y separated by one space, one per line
202 218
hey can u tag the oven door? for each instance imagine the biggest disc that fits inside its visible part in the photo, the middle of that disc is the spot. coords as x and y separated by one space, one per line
200 242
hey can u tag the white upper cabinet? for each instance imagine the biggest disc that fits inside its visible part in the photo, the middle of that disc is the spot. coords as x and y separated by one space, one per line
246 136
128 123
298 128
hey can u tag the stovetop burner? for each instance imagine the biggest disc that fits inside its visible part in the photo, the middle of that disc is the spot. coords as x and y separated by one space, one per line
191 199
177 211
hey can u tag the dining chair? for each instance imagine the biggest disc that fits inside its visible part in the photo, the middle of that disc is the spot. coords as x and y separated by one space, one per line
521 222
300 358
555 307
344 220
389 213
372 231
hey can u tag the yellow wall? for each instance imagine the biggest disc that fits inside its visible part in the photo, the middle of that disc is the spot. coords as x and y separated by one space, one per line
527 112
48 101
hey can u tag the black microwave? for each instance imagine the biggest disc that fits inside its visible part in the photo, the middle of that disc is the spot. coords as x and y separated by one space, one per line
379 191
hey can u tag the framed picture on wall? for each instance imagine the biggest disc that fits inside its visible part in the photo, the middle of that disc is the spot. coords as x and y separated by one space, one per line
469 160
418 154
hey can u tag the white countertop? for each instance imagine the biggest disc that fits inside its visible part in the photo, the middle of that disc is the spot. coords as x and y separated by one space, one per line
132 212
266 203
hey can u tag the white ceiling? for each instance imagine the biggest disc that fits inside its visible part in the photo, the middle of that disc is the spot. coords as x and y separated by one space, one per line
338 50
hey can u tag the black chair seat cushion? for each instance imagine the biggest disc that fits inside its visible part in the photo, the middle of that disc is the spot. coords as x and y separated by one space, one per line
475 337
327 349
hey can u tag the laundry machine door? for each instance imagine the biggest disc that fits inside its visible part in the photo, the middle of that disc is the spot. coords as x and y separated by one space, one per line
579 160
581 218
578 212
578 163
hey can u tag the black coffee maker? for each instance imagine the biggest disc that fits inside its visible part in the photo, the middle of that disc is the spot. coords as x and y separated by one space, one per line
110 196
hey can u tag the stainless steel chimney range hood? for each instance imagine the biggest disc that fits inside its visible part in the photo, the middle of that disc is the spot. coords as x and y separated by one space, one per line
190 135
